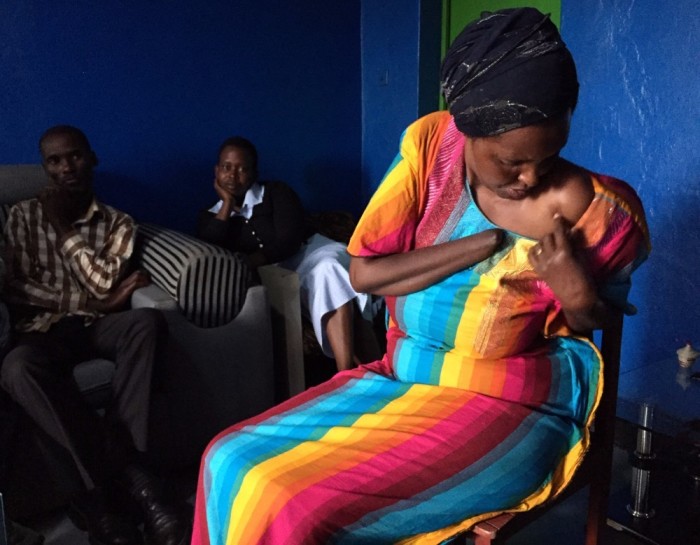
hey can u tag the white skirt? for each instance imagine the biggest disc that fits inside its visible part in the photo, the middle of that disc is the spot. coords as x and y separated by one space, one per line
322 265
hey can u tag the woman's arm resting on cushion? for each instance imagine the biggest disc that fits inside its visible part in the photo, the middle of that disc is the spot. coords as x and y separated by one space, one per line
399 274
212 229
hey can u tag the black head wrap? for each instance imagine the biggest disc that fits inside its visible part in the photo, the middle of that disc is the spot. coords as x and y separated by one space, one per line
508 69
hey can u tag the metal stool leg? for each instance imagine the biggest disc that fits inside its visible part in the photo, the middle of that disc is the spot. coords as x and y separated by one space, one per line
640 471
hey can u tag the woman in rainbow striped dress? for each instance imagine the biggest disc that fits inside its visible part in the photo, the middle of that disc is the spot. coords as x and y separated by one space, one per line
495 256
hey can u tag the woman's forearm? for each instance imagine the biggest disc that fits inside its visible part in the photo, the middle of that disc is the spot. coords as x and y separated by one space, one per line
210 229
400 274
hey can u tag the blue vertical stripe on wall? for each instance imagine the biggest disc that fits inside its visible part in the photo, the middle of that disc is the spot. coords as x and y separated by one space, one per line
158 85
400 77
390 82
637 119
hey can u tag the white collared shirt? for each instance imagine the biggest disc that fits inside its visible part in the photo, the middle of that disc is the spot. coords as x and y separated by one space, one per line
253 196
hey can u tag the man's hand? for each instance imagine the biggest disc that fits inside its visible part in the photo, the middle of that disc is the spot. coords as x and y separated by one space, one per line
121 295
62 208
554 260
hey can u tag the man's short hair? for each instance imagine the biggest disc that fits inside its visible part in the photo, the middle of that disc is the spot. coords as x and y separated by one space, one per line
241 143
66 129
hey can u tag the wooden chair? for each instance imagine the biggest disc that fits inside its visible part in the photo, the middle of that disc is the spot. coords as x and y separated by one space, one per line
595 470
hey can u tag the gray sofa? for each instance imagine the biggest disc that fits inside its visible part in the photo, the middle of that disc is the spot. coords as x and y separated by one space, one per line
215 370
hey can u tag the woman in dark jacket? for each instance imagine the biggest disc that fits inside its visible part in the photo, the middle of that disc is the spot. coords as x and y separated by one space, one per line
266 222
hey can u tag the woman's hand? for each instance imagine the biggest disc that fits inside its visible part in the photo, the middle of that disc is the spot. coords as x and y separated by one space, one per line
223 190
400 274
62 208
228 201
554 260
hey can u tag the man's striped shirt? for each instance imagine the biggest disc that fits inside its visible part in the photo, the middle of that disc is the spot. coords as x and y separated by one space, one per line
49 278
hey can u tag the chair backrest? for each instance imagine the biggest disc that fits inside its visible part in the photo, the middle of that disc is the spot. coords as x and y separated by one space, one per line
19 182
610 348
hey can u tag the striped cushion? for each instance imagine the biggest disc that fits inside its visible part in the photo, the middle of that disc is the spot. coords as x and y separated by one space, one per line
208 282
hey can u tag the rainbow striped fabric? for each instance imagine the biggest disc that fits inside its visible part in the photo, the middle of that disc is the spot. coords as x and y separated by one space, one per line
482 403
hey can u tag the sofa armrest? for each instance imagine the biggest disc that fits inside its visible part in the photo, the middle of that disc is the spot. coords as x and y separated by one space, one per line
153 296
211 378
283 292
208 283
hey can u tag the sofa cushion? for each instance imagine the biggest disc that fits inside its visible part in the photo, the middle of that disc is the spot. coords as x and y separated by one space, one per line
94 380
208 282
19 182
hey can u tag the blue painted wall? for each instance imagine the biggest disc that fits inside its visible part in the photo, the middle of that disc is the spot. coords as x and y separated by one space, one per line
638 120
326 89
390 82
400 77
158 85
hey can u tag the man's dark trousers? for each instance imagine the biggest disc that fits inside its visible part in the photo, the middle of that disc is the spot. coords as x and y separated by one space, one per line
38 375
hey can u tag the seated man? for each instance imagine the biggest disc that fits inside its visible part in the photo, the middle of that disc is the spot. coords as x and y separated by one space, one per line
67 286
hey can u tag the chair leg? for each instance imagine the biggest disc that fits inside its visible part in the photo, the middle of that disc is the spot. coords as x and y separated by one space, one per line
597 512
458 540
461 539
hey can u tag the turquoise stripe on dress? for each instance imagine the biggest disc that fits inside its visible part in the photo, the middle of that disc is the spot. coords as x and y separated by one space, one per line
228 459
430 510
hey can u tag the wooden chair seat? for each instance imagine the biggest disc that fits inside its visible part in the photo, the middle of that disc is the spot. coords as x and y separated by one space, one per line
487 531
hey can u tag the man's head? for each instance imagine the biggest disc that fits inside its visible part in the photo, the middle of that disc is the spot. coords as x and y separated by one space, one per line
507 70
67 158
237 167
